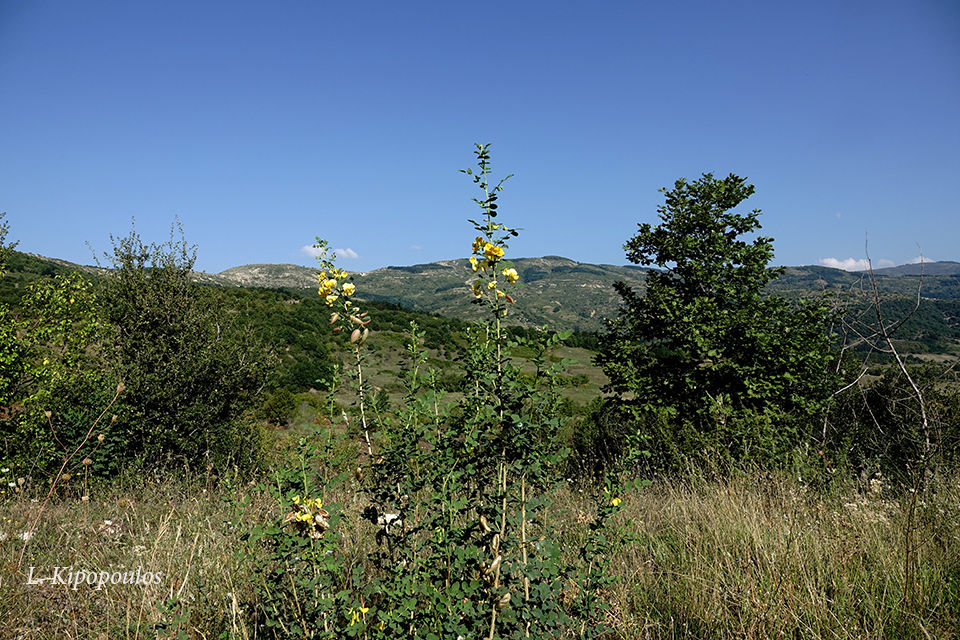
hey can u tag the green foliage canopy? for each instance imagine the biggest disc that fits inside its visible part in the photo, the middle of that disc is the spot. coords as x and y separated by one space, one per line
190 367
723 367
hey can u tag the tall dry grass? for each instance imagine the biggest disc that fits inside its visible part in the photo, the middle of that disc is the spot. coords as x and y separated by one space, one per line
749 557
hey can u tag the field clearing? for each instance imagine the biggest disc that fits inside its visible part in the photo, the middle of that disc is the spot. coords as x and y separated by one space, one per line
752 557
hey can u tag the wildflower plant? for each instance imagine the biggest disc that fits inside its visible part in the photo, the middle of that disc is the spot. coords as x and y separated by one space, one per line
458 496
346 319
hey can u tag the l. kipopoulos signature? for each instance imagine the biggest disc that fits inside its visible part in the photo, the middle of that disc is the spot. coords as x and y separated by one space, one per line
72 579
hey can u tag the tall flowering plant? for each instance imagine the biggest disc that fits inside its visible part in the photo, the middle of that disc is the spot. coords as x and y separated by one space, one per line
347 319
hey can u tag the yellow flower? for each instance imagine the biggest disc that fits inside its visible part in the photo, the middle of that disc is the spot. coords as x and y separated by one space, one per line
349 289
477 289
296 499
329 284
492 284
356 613
500 294
512 275
492 251
616 502
331 299
473 263
477 244
303 517
322 276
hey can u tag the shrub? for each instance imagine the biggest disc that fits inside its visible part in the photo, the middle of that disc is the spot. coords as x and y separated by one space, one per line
191 369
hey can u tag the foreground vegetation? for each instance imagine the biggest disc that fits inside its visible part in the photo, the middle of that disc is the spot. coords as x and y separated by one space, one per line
759 556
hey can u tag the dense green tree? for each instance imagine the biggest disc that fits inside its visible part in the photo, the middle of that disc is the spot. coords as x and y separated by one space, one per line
190 367
702 363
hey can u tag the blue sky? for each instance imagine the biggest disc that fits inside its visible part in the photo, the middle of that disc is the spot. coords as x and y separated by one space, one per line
262 125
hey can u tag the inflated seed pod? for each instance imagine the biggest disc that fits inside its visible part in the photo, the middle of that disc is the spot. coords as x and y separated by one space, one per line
355 336
503 601
484 524
334 317
363 336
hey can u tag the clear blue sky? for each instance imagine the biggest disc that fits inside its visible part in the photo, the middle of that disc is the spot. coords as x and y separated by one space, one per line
262 125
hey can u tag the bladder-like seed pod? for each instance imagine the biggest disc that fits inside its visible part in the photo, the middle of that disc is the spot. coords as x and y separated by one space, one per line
356 320
355 336
65 477
358 474
363 315
503 601
337 329
495 564
334 317
363 336
495 544
87 462
484 524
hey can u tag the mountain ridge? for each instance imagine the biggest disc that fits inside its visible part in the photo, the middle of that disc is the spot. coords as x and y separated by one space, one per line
560 291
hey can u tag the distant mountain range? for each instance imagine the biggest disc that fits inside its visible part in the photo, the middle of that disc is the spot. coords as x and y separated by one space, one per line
557 291
574 295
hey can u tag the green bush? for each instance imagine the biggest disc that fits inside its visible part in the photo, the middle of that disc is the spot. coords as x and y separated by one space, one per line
191 369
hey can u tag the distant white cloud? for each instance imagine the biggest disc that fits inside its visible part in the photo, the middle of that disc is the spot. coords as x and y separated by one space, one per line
918 260
313 252
853 264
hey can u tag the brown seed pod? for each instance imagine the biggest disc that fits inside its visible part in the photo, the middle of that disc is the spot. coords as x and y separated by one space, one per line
356 320
363 336
358 474
495 564
65 477
354 336
484 524
495 545
503 601
337 329
87 462
334 317
363 315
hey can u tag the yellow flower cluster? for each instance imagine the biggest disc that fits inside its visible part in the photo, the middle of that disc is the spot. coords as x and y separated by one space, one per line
489 254
309 518
356 614
328 286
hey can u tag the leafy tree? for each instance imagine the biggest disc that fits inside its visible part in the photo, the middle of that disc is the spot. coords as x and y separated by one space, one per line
703 363
190 368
